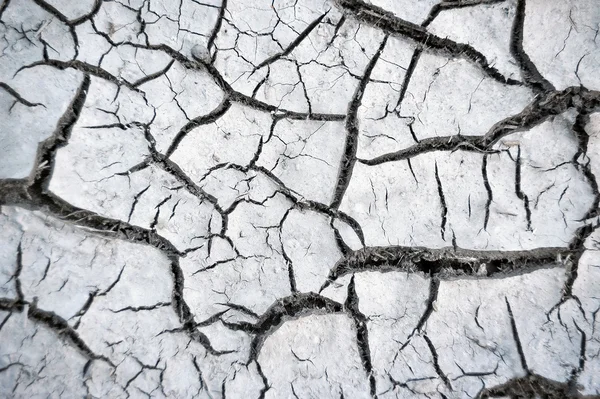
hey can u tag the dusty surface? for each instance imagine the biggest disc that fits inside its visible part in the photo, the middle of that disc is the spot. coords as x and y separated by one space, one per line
299 199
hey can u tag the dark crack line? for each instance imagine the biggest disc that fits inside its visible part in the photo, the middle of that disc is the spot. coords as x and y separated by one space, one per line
531 75
414 60
582 358
295 43
515 333
136 198
442 203
62 18
196 122
577 244
18 98
362 335
265 381
453 4
436 364
534 114
17 274
217 27
434 287
85 68
352 131
142 308
284 309
3 7
290 268
388 22
488 189
153 76
37 197
531 386
86 306
445 262
56 324
519 192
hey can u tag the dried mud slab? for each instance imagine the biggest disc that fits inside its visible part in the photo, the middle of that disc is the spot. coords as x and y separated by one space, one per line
299 199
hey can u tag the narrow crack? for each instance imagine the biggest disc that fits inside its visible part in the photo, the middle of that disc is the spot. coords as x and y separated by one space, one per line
515 333
436 363
295 43
442 203
488 189
352 131
362 335
519 192
18 98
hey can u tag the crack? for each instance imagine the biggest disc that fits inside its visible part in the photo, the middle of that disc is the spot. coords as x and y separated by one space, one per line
451 5
339 240
157 214
414 60
113 284
434 287
85 68
336 30
290 267
442 203
304 91
18 98
412 172
446 262
362 335
351 144
572 383
198 121
388 22
474 373
136 198
216 28
477 318
284 309
17 274
142 308
62 18
516 338
531 75
86 306
488 189
59 326
520 194
436 363
438 264
534 114
154 75
581 121
240 308
47 150
3 7
295 43
577 244
265 381
183 310
530 386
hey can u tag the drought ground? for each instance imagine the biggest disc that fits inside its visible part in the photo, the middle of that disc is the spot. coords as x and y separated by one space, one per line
299 199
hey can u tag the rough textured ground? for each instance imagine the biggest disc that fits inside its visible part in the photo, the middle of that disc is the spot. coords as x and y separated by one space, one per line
299 198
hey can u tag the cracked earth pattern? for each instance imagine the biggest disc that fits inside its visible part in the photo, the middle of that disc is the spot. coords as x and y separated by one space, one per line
299 198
